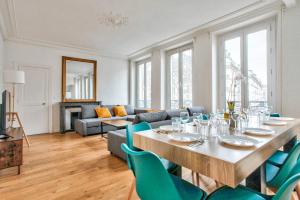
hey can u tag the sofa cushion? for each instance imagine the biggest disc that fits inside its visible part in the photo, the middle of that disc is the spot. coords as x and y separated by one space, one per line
175 113
129 109
120 111
160 123
92 122
111 109
196 109
103 112
130 118
88 111
150 117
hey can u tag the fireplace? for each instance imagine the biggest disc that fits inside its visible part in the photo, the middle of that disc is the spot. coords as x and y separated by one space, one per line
69 112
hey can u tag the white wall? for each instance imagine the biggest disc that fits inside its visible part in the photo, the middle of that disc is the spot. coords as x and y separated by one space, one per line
202 71
204 82
112 73
291 62
1 62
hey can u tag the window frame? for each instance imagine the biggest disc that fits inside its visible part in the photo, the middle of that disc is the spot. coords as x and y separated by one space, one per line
168 55
137 64
270 26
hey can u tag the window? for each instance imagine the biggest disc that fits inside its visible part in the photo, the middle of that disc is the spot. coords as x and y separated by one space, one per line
247 53
143 84
179 77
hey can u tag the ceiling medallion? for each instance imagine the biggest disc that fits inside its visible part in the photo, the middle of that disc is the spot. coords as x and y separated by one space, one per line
113 20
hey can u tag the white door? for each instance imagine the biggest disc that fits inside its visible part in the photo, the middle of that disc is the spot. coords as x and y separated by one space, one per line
33 100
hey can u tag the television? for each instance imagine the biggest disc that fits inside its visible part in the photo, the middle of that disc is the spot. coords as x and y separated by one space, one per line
4 108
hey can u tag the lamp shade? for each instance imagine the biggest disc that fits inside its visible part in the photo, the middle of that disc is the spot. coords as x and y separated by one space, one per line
13 76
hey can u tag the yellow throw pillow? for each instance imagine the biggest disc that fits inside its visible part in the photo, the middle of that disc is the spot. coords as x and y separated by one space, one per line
103 112
120 111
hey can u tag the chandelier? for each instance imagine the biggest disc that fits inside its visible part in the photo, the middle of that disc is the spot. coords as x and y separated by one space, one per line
113 20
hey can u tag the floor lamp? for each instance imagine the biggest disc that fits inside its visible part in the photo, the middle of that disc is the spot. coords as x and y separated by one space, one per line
15 77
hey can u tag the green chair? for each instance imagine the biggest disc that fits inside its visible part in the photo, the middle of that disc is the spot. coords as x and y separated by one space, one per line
243 193
275 176
143 126
279 157
154 182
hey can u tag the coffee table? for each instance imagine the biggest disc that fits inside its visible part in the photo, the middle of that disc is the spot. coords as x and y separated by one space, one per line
119 123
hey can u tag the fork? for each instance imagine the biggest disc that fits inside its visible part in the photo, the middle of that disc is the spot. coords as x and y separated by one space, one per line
197 143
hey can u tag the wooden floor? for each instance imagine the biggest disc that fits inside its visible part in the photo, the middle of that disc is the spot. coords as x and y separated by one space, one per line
69 166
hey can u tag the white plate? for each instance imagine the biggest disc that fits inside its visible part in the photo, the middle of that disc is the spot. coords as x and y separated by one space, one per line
282 118
240 141
259 131
183 137
168 128
275 123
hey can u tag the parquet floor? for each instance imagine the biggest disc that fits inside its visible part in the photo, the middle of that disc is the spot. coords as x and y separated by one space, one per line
69 166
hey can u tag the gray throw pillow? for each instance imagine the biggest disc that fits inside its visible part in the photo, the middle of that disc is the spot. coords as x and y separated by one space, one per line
196 109
175 113
151 117
88 111
129 109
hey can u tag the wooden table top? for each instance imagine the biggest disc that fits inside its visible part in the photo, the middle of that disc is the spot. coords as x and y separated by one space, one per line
117 123
226 164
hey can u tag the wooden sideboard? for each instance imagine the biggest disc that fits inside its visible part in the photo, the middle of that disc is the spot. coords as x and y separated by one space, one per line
11 149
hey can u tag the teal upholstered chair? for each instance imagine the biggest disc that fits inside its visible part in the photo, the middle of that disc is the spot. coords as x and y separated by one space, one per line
244 193
284 192
143 126
275 176
279 157
154 182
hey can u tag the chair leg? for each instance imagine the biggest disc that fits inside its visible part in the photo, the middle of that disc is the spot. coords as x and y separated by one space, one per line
294 196
297 188
198 179
194 180
132 187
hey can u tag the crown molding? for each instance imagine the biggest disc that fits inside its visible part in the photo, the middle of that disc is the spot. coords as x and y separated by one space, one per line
258 7
9 30
66 47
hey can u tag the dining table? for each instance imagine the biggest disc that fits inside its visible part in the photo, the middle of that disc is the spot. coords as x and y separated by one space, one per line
226 164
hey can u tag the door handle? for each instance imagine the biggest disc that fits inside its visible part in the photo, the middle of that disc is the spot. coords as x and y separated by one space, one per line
43 104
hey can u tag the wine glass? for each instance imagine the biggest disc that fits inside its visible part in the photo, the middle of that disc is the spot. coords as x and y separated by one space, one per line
184 117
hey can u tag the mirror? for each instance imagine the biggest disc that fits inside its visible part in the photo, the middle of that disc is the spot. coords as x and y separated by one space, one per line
78 79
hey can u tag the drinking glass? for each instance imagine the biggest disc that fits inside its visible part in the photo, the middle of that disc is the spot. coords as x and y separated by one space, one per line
205 132
197 116
184 117
175 124
268 110
224 126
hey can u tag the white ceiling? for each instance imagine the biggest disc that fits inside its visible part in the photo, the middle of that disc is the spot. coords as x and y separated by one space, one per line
74 22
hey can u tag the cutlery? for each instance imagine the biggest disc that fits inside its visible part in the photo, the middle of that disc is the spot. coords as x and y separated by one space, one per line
197 143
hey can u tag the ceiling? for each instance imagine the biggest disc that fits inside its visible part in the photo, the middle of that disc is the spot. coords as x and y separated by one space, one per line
75 22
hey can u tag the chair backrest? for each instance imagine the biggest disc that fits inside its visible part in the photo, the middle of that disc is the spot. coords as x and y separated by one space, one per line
130 129
275 115
285 191
152 179
287 168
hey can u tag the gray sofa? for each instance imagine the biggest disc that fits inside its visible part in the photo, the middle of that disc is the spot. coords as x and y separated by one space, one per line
157 119
90 124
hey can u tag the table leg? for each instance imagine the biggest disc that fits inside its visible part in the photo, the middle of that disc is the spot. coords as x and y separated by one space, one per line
19 169
257 180
288 146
